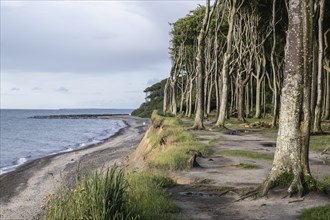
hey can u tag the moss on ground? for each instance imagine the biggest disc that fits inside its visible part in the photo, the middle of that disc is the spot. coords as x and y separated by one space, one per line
248 154
247 166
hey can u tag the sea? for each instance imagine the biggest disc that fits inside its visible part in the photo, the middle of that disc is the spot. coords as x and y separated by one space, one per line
23 138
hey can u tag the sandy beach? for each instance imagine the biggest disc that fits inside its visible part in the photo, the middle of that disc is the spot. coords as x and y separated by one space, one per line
22 192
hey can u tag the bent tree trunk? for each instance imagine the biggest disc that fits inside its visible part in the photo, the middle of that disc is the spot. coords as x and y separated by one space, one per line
200 71
225 67
287 159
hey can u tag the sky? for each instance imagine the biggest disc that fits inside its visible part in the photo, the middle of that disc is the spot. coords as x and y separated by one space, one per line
84 54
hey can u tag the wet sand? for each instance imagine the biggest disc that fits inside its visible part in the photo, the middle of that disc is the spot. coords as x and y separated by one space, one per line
22 191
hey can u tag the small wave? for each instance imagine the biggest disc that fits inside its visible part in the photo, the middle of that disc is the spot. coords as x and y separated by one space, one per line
19 161
68 149
82 145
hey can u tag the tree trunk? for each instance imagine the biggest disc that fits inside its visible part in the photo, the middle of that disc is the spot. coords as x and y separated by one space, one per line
174 88
258 98
225 67
327 69
190 97
307 55
209 97
165 97
327 100
287 158
276 96
318 108
200 70
247 101
241 101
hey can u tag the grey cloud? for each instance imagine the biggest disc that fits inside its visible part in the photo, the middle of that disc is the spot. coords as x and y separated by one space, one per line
134 91
30 44
40 37
62 89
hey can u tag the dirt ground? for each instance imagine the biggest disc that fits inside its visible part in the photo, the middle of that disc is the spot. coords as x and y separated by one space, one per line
212 191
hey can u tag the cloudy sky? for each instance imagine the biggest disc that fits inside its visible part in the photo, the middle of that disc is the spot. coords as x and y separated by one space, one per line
84 54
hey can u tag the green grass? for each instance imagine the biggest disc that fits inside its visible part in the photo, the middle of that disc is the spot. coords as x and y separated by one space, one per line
247 166
326 180
319 142
112 195
171 141
95 196
216 140
248 154
317 213
325 183
151 200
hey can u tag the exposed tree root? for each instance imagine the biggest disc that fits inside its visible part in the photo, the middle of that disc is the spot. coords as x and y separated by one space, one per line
297 185
249 194
297 182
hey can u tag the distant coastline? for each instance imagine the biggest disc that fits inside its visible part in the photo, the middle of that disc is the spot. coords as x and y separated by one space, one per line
77 116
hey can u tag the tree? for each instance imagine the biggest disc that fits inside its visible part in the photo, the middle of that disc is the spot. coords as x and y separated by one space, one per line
318 108
232 5
288 154
200 70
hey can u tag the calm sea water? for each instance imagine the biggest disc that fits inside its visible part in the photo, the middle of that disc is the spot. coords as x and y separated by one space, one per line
23 138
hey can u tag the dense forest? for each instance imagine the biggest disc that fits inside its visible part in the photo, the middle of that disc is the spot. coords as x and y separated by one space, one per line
242 59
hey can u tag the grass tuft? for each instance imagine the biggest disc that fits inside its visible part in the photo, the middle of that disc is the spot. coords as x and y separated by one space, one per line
247 166
112 195
151 200
95 196
316 213
248 154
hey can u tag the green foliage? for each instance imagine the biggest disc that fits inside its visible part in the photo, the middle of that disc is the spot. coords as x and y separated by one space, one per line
171 142
316 213
95 196
249 154
154 100
186 29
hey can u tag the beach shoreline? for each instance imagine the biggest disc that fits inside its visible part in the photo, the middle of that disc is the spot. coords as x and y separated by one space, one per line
22 191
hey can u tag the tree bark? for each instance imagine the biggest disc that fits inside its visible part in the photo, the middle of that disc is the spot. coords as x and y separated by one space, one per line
287 158
318 108
225 66
307 71
200 70
327 69
165 97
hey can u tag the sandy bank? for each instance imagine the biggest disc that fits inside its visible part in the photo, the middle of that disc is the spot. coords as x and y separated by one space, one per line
22 191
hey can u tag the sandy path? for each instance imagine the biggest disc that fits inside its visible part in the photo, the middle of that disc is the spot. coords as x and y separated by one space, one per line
201 192
22 191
